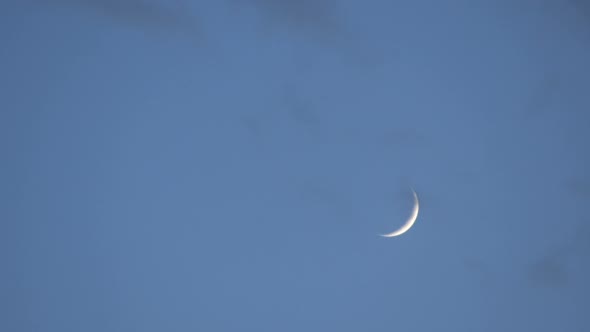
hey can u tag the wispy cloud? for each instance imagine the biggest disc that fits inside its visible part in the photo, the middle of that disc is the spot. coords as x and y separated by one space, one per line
579 187
313 14
143 13
553 268
298 107
321 22
318 20
549 270
582 7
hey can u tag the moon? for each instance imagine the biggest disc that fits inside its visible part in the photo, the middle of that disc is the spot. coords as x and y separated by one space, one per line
411 220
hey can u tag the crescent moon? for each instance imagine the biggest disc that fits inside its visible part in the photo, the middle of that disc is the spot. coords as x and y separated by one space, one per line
411 220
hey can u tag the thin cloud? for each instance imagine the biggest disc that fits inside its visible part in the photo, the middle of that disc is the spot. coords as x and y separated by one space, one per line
321 22
316 14
582 7
545 95
579 187
135 12
315 19
479 270
550 270
298 108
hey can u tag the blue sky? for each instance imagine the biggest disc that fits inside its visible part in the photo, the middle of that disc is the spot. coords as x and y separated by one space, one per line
228 165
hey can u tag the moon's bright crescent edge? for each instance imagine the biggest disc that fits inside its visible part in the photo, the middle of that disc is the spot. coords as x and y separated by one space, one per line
410 221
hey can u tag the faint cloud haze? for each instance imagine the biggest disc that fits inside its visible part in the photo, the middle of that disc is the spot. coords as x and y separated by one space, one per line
579 187
321 21
582 7
137 12
552 269
545 95
315 14
298 107
403 138
479 270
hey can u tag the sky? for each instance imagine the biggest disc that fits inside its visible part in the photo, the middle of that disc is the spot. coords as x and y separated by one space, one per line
229 165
